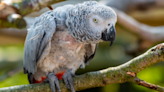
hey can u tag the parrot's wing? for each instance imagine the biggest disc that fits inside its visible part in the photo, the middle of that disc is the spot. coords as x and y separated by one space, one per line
90 54
38 40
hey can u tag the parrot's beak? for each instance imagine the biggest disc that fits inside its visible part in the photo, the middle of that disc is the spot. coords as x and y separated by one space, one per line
109 35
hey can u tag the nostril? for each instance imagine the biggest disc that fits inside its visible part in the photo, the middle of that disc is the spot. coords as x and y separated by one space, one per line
108 24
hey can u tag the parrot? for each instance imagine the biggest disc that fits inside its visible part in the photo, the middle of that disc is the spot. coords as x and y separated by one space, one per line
64 39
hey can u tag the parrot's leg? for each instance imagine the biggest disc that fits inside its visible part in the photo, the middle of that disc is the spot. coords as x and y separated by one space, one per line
67 77
53 81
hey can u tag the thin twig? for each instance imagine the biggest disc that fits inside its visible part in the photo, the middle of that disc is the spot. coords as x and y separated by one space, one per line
138 81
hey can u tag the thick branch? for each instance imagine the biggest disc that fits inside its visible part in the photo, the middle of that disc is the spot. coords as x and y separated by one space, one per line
119 74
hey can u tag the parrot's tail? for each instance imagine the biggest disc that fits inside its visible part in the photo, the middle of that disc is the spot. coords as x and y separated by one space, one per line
35 81
59 75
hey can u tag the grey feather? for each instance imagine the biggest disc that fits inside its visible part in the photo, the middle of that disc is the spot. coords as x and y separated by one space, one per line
60 15
77 20
90 54
39 35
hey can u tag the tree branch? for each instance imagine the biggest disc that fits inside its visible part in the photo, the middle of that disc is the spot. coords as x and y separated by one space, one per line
131 5
120 74
9 17
146 32
25 7
14 32
18 8
138 81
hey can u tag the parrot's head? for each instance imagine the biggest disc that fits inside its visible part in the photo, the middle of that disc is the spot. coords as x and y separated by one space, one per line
91 22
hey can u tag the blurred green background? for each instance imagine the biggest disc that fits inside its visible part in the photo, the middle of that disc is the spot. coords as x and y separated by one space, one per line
126 46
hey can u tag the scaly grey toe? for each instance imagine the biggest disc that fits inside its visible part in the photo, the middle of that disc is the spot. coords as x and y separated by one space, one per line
67 77
53 81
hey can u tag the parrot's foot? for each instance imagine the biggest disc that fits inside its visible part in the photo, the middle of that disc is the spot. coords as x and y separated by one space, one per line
53 81
67 77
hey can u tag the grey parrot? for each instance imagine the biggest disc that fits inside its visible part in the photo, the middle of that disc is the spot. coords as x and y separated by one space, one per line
64 39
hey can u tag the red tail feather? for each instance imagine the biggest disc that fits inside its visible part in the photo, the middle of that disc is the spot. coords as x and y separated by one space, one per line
59 75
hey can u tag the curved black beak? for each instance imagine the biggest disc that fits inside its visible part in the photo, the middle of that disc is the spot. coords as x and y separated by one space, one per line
109 35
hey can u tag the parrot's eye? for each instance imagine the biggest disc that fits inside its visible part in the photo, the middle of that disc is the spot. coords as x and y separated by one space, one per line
95 20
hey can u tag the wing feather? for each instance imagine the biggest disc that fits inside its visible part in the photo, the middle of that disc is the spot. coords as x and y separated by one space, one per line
38 37
90 52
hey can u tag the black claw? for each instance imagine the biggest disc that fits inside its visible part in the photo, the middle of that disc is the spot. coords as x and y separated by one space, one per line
53 80
45 80
73 75
58 86
67 77
71 84
66 82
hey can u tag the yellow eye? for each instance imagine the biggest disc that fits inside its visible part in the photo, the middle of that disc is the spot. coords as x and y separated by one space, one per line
95 20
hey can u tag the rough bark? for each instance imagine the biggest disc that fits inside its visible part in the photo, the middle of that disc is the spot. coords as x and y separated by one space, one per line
120 74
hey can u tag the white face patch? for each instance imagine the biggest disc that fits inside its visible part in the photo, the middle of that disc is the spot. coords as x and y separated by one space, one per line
101 23
87 21
96 26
